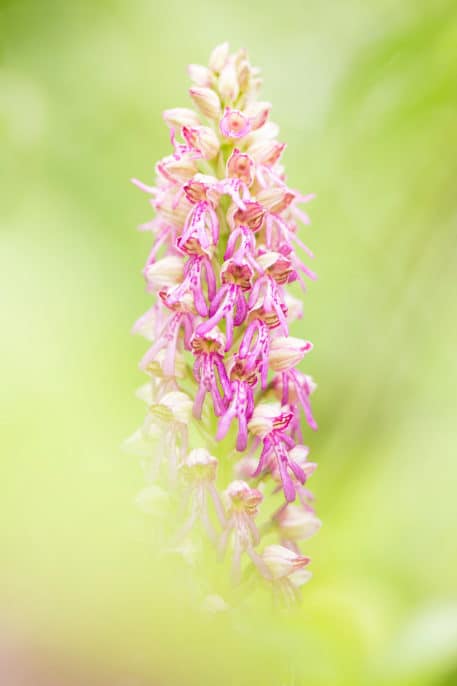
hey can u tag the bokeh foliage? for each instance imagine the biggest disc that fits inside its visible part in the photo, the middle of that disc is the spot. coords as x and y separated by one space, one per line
366 96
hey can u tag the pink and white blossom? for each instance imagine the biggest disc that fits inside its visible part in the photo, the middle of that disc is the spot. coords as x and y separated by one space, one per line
222 366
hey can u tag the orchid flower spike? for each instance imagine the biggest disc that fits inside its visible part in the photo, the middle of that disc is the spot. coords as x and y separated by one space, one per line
225 399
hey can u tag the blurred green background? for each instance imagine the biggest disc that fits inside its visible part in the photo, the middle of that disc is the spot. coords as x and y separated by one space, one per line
366 97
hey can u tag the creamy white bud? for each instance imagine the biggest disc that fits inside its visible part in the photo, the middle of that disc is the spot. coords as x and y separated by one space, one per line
169 271
282 562
228 83
297 523
262 420
181 116
200 75
219 57
244 75
181 169
286 352
243 69
207 102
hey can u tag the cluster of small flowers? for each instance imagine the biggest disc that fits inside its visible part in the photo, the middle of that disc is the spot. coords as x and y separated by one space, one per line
225 237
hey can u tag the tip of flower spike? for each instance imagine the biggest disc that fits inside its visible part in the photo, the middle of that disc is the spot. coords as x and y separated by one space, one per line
219 57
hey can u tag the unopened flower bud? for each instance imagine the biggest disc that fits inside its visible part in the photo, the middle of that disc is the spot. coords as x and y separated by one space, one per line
207 102
177 169
228 83
244 75
268 417
297 523
168 271
200 75
240 57
283 562
287 352
219 57
181 116
244 69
